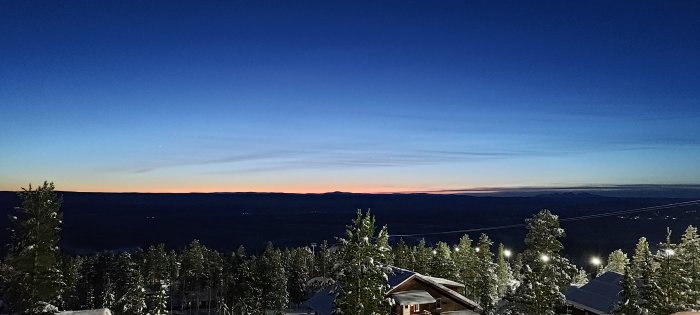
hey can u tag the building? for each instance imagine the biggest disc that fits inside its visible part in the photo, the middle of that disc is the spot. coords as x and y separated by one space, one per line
413 294
599 296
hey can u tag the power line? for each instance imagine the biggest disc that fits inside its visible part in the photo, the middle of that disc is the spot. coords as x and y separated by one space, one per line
577 218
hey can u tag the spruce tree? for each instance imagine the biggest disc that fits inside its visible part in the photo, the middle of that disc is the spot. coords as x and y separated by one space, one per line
298 274
274 289
503 272
467 266
689 253
669 297
441 264
487 281
642 258
128 287
545 273
248 299
403 256
387 256
361 277
617 262
33 253
422 254
580 279
627 303
157 275
70 269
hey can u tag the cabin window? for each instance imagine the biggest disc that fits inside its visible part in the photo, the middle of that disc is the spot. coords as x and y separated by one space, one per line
438 303
417 307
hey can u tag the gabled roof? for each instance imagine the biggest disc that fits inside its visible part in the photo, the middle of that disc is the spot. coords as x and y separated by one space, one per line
600 295
444 281
413 297
101 311
449 292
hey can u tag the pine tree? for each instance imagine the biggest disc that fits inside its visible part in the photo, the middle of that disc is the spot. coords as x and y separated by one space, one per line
128 287
33 255
274 289
467 266
441 264
361 278
324 261
298 274
487 281
689 253
403 256
423 254
627 303
545 274
70 269
617 262
580 279
158 279
248 293
642 258
669 297
503 272
387 256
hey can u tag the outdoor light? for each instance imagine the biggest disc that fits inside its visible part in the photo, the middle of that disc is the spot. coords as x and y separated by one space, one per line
456 249
507 253
434 252
544 258
595 261
477 249
670 252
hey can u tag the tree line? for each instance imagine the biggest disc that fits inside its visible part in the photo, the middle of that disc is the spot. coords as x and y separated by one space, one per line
35 278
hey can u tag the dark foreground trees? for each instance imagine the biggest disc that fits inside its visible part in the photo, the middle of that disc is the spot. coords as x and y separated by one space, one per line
33 262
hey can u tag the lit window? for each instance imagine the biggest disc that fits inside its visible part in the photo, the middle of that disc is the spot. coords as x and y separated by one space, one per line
438 303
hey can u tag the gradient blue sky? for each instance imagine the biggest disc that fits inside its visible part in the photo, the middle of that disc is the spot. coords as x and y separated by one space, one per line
362 96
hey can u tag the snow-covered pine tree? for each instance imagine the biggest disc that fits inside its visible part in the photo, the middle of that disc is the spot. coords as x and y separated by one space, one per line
403 256
441 264
467 266
672 286
617 262
503 273
248 294
274 288
361 278
298 274
487 280
86 288
580 279
70 269
193 275
157 279
628 301
689 252
128 287
545 273
324 261
33 253
641 259
387 255
422 254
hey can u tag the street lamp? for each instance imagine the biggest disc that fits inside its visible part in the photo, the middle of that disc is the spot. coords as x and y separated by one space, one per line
477 249
456 248
669 252
544 258
434 252
596 262
507 253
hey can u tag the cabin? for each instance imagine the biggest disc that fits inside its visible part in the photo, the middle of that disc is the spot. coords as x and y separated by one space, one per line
413 294
597 297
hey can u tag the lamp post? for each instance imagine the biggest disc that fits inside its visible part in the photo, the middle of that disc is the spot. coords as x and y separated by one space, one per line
595 262
507 253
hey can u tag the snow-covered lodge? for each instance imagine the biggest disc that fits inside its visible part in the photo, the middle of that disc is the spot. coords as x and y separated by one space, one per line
413 293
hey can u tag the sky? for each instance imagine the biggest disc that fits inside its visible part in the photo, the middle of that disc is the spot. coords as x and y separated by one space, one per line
357 96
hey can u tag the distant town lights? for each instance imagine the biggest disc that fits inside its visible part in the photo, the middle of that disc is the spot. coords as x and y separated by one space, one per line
544 258
507 253
595 261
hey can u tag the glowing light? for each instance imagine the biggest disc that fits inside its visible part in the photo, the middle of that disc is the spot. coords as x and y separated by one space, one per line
456 249
507 253
477 249
670 252
544 258
434 252
595 261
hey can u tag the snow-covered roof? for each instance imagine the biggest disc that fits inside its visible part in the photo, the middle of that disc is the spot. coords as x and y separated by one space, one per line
466 312
444 281
101 311
600 295
413 297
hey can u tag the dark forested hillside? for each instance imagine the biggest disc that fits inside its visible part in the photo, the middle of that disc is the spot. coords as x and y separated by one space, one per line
98 221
